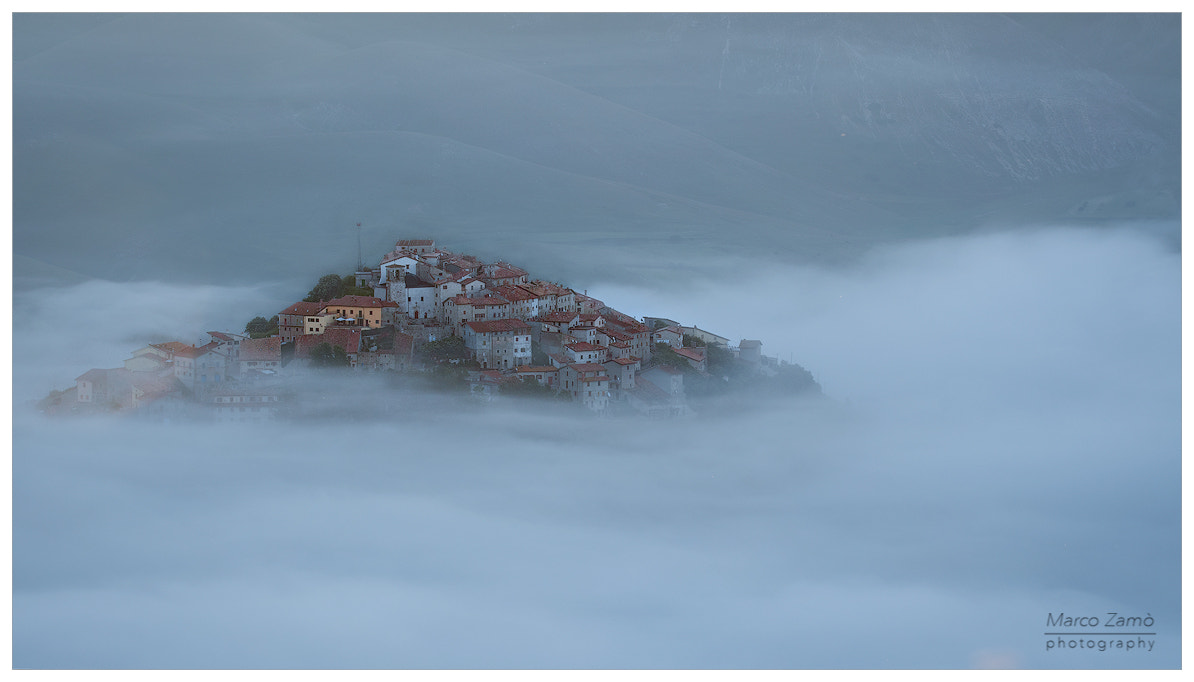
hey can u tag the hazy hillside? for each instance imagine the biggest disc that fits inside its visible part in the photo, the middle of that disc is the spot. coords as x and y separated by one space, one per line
194 147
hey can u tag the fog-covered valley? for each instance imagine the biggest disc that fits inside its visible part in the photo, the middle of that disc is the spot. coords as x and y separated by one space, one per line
999 439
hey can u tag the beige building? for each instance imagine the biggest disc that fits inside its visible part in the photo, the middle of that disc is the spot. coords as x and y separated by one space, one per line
294 321
360 311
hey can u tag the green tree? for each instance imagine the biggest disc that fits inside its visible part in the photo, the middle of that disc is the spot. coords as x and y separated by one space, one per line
259 327
718 356
350 287
327 355
664 355
451 348
529 387
691 341
538 357
328 287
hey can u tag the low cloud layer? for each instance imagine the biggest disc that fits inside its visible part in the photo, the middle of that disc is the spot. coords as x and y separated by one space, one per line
1001 443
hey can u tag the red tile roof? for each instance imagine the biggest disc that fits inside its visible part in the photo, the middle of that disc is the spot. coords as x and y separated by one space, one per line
515 293
360 302
189 352
558 317
304 308
172 347
267 349
582 346
537 368
587 367
690 353
502 273
490 326
346 337
402 243
482 301
616 335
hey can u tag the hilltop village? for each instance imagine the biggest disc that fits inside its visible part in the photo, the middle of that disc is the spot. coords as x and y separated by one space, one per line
488 325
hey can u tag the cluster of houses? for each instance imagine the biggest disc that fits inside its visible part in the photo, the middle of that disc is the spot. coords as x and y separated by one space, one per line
422 293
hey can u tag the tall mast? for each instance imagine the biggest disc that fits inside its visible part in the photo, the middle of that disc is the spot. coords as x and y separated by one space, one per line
360 258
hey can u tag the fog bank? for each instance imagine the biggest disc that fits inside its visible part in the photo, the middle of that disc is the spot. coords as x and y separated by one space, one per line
1002 443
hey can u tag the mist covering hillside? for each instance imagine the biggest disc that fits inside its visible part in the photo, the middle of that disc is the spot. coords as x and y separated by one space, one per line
966 227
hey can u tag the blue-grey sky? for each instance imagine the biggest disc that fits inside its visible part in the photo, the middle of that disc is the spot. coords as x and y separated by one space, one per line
965 226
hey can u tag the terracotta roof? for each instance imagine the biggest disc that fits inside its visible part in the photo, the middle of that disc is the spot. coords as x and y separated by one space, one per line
347 338
537 368
490 326
587 367
189 352
402 243
515 268
304 308
690 353
558 317
625 361
670 328
632 328
514 293
501 273
360 302
619 344
488 300
582 346
172 347
615 334
267 349
228 338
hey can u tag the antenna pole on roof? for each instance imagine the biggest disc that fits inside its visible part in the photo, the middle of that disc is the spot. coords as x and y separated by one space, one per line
360 259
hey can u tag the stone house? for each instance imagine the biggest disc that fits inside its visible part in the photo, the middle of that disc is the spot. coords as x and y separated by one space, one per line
499 344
